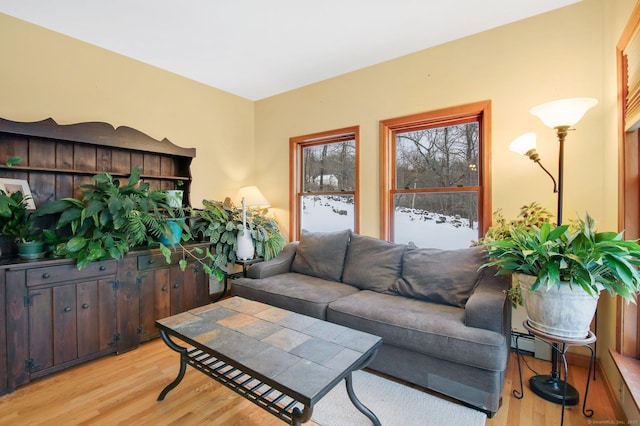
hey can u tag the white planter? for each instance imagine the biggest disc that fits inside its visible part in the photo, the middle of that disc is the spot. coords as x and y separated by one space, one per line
245 246
174 197
560 311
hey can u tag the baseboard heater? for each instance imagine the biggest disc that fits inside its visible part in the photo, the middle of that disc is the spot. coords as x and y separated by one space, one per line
530 345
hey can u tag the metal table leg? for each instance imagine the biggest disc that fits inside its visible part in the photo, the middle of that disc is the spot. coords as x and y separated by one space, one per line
183 366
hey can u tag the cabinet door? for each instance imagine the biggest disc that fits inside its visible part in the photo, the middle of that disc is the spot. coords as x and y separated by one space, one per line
4 366
190 289
195 286
52 326
95 309
181 298
40 329
154 301
71 321
107 315
87 313
65 331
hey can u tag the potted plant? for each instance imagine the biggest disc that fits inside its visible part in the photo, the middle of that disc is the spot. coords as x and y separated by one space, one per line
562 269
16 223
111 218
175 196
221 222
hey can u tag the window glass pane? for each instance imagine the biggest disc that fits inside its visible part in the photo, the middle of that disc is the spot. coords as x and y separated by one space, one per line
329 167
446 220
327 212
439 157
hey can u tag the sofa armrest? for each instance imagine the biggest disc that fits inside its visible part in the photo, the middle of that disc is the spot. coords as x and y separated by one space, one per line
489 307
280 264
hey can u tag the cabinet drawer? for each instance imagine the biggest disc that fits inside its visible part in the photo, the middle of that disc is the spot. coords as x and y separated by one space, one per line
155 261
54 274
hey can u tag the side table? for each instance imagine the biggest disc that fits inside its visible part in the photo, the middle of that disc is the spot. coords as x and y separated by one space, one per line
561 345
236 274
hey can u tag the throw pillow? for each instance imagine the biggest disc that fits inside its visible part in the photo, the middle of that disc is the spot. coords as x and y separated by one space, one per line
440 276
372 264
321 254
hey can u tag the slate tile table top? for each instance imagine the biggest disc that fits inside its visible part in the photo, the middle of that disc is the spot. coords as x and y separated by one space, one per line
283 361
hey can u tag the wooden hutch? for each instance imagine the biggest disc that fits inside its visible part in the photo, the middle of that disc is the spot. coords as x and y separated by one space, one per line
52 315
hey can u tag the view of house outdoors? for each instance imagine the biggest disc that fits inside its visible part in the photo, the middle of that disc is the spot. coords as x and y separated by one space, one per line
436 195
329 184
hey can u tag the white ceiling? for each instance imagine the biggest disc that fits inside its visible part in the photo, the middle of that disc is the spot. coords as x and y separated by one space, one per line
259 48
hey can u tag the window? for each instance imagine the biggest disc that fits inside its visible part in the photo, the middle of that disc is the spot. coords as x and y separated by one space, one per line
435 174
324 181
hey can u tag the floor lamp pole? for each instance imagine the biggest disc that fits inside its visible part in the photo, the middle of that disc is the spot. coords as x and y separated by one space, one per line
550 387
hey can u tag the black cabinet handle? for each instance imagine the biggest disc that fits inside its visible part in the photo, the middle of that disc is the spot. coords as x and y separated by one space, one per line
67 309
46 275
103 268
85 306
151 261
164 288
176 285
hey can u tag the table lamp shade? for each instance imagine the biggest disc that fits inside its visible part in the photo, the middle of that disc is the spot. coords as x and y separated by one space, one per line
252 196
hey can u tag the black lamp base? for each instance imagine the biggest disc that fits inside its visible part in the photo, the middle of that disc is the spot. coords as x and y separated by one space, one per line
552 389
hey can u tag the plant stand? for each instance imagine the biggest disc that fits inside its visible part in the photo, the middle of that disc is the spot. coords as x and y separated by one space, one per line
232 275
561 345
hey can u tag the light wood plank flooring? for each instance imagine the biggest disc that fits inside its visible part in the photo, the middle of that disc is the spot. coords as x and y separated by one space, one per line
123 390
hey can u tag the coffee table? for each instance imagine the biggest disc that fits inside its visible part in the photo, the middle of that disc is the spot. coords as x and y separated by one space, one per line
282 361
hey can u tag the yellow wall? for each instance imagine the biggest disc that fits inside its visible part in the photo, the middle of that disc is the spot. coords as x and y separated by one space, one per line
45 74
565 53
518 66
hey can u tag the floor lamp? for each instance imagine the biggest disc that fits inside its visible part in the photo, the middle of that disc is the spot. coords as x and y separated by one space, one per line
560 115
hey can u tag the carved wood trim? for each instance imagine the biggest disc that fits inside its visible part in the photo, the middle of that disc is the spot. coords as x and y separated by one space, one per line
96 133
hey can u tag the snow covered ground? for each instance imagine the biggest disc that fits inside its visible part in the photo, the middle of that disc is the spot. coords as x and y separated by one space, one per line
425 229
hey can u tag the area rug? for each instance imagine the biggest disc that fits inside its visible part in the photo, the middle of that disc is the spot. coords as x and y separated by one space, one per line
393 404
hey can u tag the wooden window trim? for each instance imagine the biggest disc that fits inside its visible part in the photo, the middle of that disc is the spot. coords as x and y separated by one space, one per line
389 127
295 177
627 317
627 350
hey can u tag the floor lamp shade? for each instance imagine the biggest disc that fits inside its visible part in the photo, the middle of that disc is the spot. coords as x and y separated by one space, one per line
523 144
564 112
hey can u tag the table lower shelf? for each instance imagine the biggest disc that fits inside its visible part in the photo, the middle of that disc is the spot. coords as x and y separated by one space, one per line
256 391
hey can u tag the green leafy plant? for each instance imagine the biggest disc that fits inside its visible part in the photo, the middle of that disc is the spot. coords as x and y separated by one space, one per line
575 255
16 221
12 161
220 222
111 218
530 215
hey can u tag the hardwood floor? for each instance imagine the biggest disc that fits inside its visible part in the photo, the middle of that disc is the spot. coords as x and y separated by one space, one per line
123 390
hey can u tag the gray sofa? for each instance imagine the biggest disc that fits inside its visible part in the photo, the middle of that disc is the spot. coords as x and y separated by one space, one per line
445 325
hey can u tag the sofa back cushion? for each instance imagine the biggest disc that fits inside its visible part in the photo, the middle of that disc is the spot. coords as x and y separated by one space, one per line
372 264
440 276
321 254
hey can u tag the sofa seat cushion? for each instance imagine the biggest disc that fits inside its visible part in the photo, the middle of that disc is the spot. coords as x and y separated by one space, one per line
296 292
429 328
372 264
321 254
